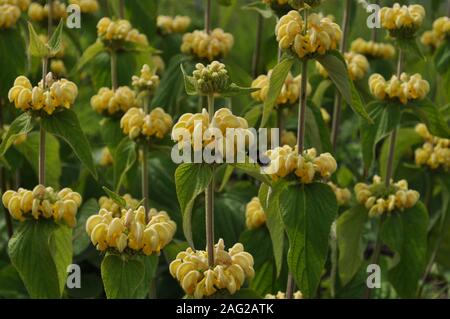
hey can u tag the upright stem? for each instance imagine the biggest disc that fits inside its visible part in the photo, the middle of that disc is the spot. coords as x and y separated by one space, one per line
208 17
50 18
114 70
338 97
209 203
42 130
122 9
257 52
302 108
374 30
144 169
393 137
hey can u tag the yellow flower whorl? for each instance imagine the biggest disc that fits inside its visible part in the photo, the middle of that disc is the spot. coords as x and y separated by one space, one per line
58 93
9 14
285 161
177 24
146 81
43 202
401 18
37 12
231 269
281 295
21 4
373 196
319 36
211 46
440 32
130 230
404 89
119 30
435 152
87 6
111 206
255 216
373 49
290 90
135 123
108 102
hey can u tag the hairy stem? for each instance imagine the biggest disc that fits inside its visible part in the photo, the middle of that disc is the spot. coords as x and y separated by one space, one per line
302 108
374 33
114 84
122 9
50 18
393 137
144 168
209 202
257 52
338 97
208 16
42 130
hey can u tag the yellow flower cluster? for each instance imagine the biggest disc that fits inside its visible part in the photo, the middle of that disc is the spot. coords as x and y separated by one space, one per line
222 120
119 30
43 201
405 88
9 14
210 79
61 93
106 158
288 138
177 24
146 81
379 200
207 46
290 90
440 31
255 216
318 36
402 17
373 49
87 6
435 152
131 230
357 66
110 102
230 270
306 167
111 206
343 195
21 4
281 295
136 123
37 12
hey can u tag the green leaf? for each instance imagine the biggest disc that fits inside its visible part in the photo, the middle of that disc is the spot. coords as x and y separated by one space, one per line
14 57
189 82
190 180
442 57
90 53
263 9
80 239
317 132
319 93
336 67
308 212
65 124
406 233
21 125
245 293
236 90
55 42
406 139
111 132
124 158
150 267
115 197
430 114
279 74
41 251
253 170
274 222
350 230
30 150
122 276
386 117
37 48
